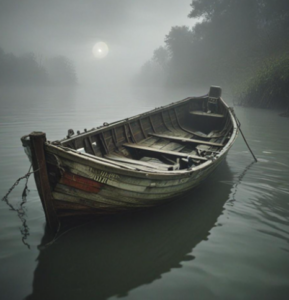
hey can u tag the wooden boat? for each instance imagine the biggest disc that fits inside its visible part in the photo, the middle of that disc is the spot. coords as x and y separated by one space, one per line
132 164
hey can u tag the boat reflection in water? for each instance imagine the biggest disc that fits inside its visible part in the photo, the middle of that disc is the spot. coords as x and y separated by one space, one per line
112 256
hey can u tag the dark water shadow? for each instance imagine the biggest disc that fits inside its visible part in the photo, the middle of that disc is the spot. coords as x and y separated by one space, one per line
112 256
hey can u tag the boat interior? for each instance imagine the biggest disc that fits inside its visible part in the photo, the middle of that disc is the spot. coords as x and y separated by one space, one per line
175 137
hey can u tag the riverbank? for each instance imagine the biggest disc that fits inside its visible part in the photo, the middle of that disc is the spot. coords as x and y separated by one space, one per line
268 87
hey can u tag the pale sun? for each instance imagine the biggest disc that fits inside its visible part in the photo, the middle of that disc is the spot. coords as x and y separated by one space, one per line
100 50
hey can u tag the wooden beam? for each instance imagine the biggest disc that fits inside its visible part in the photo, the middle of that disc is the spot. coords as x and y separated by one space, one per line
38 140
102 139
171 119
142 129
138 162
91 146
131 133
165 122
126 136
152 125
114 137
177 118
186 140
172 153
205 114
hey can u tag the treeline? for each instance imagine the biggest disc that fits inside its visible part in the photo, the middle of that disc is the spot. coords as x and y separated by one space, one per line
233 41
30 70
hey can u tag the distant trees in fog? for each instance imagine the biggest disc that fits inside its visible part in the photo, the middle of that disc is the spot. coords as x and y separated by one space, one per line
61 71
161 56
231 41
30 70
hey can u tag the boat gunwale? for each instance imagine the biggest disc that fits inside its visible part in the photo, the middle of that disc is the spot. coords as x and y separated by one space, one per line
97 162
104 164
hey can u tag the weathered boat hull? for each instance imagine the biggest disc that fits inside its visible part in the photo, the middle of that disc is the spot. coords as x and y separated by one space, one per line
111 191
110 176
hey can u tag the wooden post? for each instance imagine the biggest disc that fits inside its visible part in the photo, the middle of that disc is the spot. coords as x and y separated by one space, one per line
37 140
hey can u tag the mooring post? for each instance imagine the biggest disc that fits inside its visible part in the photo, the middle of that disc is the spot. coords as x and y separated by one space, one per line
38 140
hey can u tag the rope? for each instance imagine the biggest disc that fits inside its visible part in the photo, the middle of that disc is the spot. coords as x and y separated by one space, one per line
26 176
239 127
20 211
239 180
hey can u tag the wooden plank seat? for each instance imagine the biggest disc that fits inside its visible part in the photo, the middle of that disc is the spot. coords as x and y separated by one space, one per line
126 165
158 166
172 153
186 140
205 114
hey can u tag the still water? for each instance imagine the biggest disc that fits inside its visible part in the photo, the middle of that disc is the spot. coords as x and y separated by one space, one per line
227 239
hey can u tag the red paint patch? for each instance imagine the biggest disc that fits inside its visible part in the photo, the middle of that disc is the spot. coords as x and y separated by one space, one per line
80 183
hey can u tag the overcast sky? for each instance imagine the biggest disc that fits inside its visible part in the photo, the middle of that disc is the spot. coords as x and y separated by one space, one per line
132 30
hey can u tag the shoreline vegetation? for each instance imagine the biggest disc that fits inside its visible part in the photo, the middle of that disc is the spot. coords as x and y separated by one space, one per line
269 86
238 44
29 69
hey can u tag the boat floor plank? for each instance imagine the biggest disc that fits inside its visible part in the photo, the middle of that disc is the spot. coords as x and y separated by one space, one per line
172 146
149 141
160 144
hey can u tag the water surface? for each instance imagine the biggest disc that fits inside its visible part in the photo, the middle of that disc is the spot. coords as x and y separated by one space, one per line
227 239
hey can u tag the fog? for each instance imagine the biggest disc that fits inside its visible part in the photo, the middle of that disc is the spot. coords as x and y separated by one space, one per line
132 29
176 44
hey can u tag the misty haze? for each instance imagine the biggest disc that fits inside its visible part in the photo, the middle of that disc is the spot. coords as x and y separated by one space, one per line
102 80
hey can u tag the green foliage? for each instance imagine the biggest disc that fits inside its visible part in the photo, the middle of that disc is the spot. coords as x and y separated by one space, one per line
269 87
228 45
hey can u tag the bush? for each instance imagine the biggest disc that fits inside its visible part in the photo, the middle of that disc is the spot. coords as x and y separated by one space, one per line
269 87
